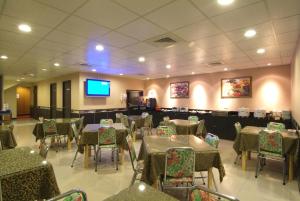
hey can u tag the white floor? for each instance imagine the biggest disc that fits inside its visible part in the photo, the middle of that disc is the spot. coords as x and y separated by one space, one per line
106 182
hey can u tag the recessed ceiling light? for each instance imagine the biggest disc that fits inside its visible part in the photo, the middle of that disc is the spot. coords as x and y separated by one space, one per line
168 76
250 33
269 64
31 74
261 51
225 2
99 48
22 78
142 59
94 70
121 74
56 64
148 78
225 69
4 57
44 69
168 66
193 73
24 28
18 80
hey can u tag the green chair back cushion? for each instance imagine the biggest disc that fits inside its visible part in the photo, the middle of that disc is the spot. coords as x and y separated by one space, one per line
106 136
212 140
49 126
276 126
270 141
165 131
193 118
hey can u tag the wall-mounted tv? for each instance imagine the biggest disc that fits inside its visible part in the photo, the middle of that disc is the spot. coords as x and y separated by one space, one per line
97 88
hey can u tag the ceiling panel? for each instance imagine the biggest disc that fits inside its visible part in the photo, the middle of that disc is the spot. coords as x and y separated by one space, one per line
118 40
212 41
65 5
288 37
256 43
141 48
278 9
287 24
66 38
175 15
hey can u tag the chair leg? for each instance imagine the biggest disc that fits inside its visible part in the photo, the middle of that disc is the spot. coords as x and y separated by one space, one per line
202 177
236 159
95 152
215 183
133 178
97 159
257 165
117 158
284 170
99 149
74 158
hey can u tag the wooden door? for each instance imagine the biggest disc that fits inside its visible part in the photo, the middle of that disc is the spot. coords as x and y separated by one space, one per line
53 103
66 99
23 100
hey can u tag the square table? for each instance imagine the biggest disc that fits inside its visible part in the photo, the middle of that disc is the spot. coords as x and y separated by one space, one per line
249 142
89 137
24 175
153 152
7 137
185 127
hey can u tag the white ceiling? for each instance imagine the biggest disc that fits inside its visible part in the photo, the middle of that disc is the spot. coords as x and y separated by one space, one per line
67 32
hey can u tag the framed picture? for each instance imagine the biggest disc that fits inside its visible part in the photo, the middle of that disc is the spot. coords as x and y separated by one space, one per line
179 89
240 87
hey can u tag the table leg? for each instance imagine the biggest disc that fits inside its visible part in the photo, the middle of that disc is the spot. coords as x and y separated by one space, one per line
69 144
291 167
249 155
86 156
209 178
121 155
244 160
90 151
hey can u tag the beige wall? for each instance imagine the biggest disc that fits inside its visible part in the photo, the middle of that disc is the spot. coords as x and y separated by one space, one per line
295 78
119 85
44 90
270 90
10 97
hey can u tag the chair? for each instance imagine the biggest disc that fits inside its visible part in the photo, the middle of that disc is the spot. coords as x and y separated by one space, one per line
276 126
193 118
132 130
72 195
167 118
44 148
201 129
137 165
124 120
50 130
236 144
144 114
201 193
107 139
106 122
179 168
118 117
270 147
81 124
165 131
147 128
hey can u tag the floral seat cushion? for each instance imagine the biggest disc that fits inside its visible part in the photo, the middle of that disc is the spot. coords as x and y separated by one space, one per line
75 197
198 195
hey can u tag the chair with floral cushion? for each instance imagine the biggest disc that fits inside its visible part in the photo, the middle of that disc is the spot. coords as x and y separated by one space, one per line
201 193
201 129
276 126
270 147
193 118
107 139
148 124
166 118
137 165
165 131
72 195
212 140
132 130
50 131
179 168
106 122
124 120
236 144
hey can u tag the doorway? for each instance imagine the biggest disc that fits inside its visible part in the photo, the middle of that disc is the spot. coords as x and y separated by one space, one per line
23 102
66 99
53 100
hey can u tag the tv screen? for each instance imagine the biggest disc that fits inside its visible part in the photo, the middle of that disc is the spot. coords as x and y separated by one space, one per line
97 87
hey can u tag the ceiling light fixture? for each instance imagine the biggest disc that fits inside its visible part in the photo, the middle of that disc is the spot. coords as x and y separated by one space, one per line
44 69
99 47
31 74
18 80
24 28
148 78
250 33
168 66
56 64
4 57
121 74
142 59
225 69
225 2
261 51
94 70
193 73
168 76
269 64
22 78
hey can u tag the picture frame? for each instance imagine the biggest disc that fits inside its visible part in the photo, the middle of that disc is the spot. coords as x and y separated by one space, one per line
179 89
238 87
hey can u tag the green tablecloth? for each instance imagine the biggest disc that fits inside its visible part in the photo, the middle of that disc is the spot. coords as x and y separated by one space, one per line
153 153
139 120
140 192
63 128
90 134
185 127
7 137
248 140
24 177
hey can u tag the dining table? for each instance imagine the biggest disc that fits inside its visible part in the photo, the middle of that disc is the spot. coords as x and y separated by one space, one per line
248 142
89 137
185 127
25 175
153 152
63 128
141 192
7 137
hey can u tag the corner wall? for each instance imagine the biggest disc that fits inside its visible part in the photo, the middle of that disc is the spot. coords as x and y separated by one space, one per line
10 97
295 85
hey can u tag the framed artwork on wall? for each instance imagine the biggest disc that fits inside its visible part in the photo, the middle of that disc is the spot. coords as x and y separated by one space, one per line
240 87
179 89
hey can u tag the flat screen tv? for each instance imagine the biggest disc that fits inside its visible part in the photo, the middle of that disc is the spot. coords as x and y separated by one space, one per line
97 88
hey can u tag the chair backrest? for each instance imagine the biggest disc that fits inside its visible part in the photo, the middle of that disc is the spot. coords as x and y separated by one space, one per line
167 118
238 128
49 127
276 126
148 121
270 141
144 114
202 193
165 131
119 115
106 136
81 124
132 128
11 127
124 120
75 132
201 129
179 162
212 140
131 150
44 148
106 122
72 195
193 118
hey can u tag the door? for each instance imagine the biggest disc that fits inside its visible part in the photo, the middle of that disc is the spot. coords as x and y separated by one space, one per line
23 101
66 99
53 100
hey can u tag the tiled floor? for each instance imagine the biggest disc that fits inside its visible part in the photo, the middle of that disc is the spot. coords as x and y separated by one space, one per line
106 182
